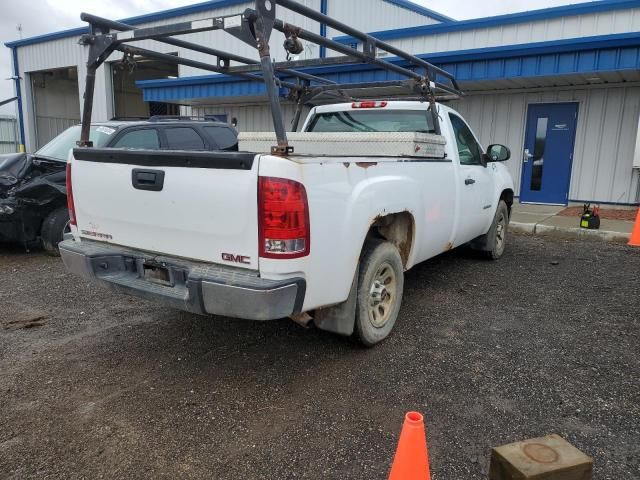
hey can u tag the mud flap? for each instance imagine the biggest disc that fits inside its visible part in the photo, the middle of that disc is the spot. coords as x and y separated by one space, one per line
482 242
341 318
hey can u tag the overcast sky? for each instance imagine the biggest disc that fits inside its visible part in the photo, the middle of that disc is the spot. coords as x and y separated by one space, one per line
43 16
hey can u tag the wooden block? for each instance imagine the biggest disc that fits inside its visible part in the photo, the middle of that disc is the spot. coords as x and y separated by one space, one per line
546 458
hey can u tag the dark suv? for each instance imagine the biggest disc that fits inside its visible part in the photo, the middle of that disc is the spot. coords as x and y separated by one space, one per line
33 195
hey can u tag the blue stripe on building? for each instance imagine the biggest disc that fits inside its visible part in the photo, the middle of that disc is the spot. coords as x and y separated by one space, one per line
18 89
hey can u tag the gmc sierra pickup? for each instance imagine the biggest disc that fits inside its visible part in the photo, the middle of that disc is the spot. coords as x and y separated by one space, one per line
326 232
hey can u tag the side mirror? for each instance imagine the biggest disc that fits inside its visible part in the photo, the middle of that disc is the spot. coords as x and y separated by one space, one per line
498 153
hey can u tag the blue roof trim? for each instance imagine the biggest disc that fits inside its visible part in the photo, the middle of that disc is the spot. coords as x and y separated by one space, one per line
414 7
512 18
47 37
562 57
150 17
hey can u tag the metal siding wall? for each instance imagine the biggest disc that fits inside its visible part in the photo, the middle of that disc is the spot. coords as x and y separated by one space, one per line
224 41
251 118
577 26
8 134
364 16
605 137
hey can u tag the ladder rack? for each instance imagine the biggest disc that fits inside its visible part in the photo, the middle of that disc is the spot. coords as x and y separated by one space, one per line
254 27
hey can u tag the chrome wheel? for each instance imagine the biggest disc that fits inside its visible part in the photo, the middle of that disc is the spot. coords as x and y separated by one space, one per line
382 296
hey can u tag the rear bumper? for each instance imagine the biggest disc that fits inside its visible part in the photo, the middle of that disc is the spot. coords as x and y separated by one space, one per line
192 286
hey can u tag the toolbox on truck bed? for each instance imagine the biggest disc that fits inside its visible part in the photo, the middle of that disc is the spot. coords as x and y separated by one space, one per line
360 144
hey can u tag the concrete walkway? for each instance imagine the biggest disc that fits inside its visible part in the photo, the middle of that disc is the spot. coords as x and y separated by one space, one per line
544 220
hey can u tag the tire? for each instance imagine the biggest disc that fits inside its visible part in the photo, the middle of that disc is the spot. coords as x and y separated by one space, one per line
53 229
496 239
380 287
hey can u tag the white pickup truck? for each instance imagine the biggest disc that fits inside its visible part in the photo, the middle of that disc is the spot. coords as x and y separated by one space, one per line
324 233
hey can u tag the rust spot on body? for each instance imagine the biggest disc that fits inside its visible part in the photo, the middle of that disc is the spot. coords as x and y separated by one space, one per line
449 247
366 164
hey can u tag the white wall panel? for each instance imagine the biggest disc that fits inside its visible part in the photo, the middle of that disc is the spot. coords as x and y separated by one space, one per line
605 138
251 118
371 16
8 134
575 26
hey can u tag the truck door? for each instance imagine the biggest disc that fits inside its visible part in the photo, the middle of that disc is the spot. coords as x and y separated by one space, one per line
476 208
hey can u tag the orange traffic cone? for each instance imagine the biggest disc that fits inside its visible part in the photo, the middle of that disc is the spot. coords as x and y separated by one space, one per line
635 233
412 457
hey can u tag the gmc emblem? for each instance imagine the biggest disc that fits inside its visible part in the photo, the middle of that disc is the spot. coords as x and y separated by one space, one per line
230 257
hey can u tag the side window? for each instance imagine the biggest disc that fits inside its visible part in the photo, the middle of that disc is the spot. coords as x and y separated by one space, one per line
468 149
183 138
224 138
146 138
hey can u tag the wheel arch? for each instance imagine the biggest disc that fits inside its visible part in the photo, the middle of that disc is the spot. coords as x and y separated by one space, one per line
507 195
397 228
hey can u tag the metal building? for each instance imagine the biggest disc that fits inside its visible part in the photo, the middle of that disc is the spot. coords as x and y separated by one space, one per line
8 134
560 86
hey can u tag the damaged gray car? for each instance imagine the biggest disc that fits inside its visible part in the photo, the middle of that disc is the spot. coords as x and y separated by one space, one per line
33 193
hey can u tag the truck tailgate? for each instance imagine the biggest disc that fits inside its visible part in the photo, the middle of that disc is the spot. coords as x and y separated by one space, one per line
197 205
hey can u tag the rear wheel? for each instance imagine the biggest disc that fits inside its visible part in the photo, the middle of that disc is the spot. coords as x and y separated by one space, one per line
54 226
380 287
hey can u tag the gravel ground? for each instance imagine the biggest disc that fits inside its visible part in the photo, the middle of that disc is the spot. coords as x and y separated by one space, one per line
97 385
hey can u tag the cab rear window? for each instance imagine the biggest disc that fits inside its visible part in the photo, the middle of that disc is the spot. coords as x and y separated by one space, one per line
372 121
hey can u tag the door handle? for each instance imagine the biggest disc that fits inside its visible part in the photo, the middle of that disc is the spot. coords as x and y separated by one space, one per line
526 155
151 180
469 181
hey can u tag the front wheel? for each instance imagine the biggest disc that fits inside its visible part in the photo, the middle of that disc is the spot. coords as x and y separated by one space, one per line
380 287
53 229
495 240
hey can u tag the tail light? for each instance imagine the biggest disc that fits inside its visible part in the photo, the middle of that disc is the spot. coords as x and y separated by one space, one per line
70 204
283 218
368 104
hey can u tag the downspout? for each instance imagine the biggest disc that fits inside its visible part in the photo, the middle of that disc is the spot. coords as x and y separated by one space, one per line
323 27
16 79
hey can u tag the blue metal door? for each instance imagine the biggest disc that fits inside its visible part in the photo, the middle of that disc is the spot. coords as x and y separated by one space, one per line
549 140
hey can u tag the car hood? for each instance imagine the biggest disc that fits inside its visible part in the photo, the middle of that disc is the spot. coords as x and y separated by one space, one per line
13 167
30 179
